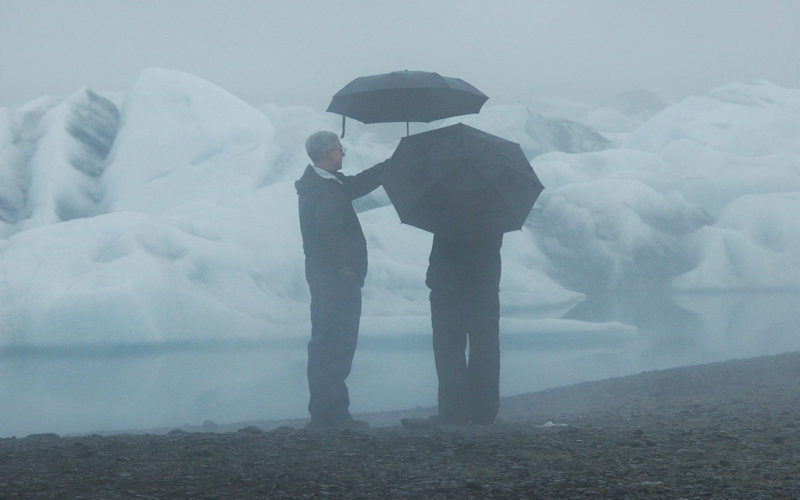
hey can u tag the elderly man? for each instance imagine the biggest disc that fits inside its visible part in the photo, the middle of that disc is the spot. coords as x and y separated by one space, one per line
336 265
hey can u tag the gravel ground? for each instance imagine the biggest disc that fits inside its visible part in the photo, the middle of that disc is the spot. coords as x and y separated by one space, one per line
723 430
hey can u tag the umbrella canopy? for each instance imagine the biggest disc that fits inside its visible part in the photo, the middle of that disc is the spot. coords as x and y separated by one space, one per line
461 180
406 96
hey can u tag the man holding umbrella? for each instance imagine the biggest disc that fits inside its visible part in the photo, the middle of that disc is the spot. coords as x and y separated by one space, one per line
336 265
468 188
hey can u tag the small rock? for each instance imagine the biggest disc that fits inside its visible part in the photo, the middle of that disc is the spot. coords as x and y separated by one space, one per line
251 429
284 429
210 426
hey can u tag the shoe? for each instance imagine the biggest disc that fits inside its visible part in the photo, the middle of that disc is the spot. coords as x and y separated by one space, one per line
330 425
317 426
354 425
448 421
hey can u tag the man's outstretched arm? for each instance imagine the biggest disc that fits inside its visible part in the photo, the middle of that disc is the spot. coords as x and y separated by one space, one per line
364 182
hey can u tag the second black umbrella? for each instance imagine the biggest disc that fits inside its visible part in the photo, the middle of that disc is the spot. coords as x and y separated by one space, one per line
461 180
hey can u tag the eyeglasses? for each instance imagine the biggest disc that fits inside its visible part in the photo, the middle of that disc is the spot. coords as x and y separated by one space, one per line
340 148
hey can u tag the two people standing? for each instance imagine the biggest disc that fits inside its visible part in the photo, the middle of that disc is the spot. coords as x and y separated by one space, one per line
463 275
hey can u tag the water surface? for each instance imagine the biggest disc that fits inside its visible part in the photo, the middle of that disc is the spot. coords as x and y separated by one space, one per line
100 388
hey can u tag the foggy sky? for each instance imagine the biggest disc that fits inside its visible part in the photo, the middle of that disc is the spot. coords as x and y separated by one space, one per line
301 52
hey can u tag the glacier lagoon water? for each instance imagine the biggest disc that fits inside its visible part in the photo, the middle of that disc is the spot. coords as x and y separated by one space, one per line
133 387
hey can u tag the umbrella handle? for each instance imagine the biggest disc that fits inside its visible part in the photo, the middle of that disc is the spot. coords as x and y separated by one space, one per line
342 126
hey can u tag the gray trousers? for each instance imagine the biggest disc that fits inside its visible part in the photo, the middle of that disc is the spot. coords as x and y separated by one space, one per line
469 387
335 316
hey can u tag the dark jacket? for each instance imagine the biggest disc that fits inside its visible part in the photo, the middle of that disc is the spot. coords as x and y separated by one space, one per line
333 240
468 263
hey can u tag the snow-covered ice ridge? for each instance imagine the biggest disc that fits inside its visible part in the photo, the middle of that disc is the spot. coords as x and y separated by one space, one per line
168 212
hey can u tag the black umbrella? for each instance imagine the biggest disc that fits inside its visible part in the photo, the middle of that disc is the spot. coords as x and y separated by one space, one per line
406 96
459 179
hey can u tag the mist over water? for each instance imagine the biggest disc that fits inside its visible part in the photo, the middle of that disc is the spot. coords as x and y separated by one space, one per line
105 388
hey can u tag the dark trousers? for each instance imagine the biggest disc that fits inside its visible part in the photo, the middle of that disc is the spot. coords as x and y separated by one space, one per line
469 387
335 316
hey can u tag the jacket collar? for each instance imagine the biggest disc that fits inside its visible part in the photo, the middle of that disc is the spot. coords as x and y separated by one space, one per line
325 174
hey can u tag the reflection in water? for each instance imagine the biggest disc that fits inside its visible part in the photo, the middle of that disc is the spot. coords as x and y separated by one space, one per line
747 324
90 391
664 328
71 390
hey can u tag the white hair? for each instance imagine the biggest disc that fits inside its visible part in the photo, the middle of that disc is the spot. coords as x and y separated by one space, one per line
320 143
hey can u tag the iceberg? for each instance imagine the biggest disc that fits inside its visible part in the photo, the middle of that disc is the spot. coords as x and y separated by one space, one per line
167 214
